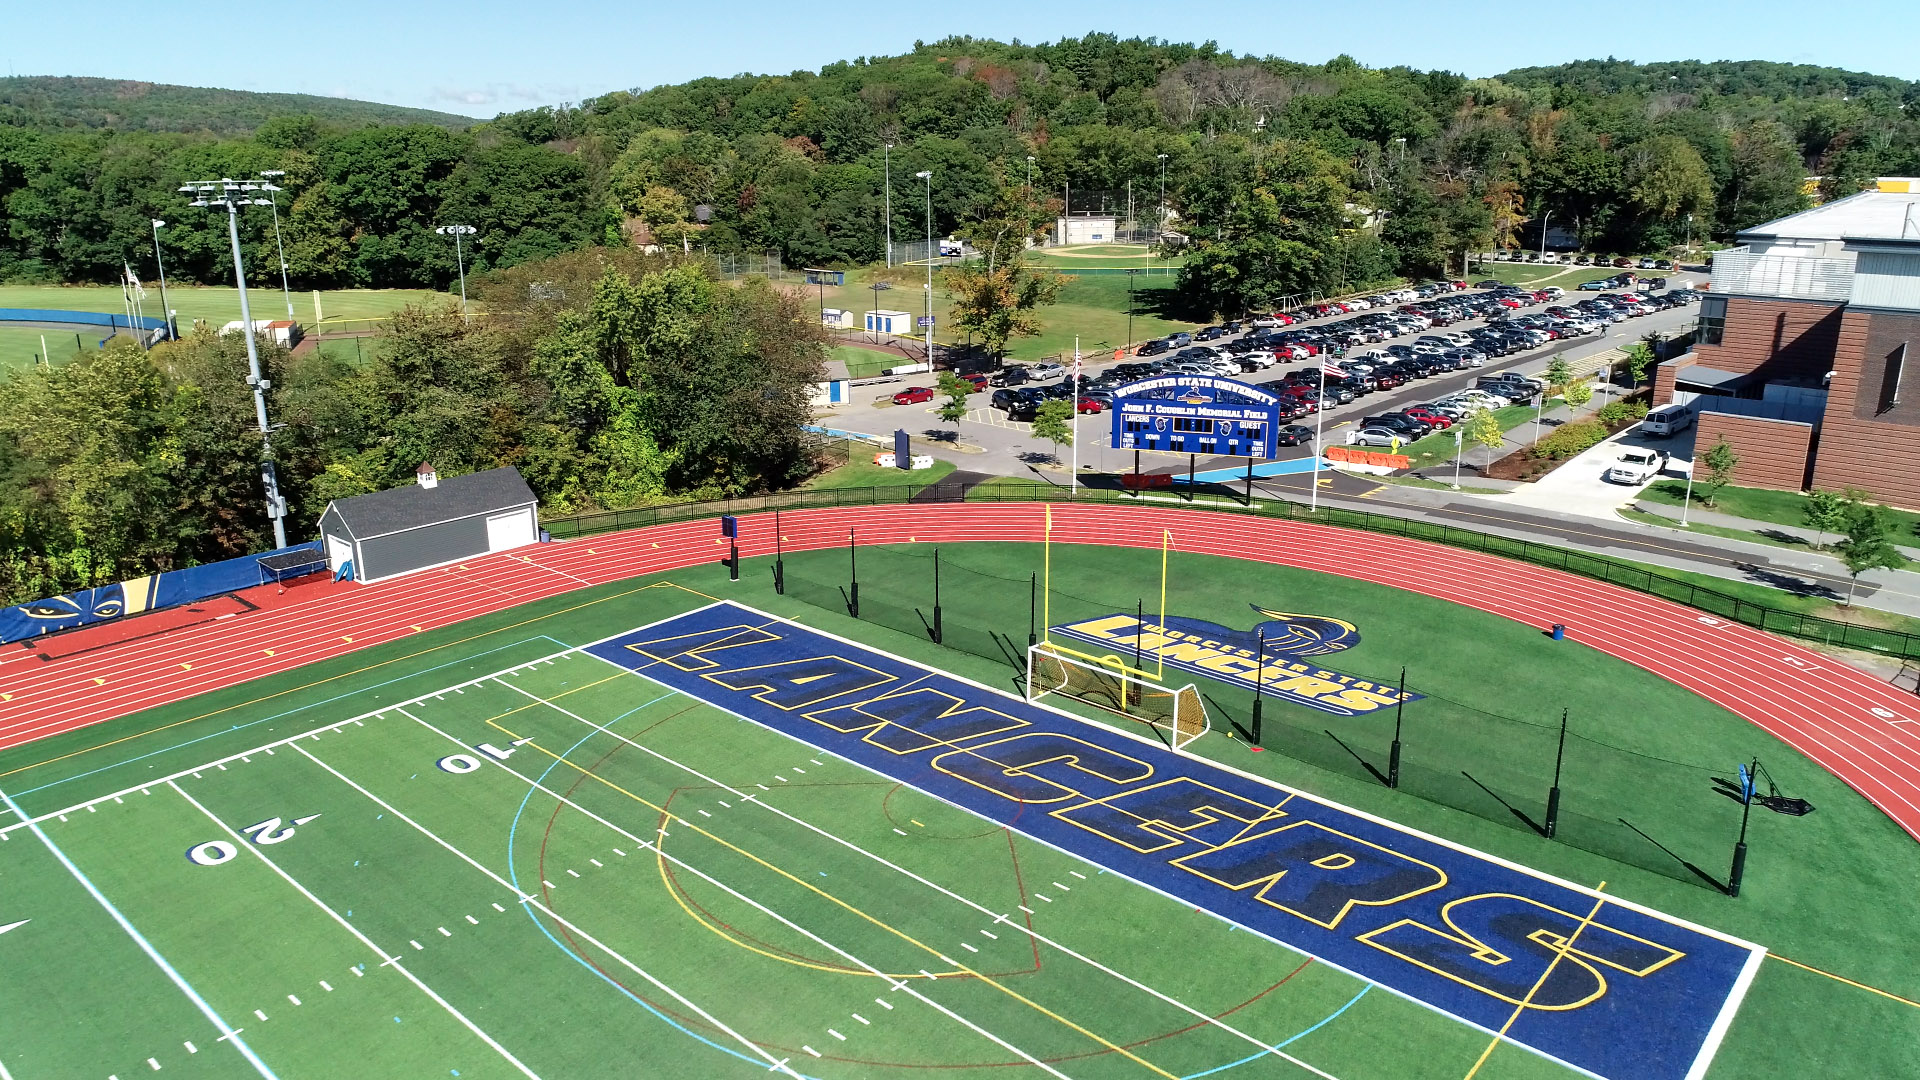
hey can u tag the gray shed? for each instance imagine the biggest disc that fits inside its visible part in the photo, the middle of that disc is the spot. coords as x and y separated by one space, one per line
434 523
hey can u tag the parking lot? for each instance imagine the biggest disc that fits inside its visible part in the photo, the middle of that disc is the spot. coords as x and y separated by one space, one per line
988 441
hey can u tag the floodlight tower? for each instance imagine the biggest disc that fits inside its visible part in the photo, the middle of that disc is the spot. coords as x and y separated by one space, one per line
460 258
234 194
927 175
285 292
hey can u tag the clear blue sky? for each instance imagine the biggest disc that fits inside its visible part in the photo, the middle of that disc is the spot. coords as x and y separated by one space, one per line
487 56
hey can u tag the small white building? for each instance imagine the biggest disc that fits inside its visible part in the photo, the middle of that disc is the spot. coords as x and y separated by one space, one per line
430 523
282 332
835 318
836 388
890 322
1085 229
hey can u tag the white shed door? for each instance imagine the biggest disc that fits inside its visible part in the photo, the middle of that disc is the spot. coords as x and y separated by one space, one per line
509 530
339 552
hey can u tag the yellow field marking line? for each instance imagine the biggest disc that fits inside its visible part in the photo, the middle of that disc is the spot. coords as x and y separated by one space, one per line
332 678
1559 951
1844 979
903 935
1271 814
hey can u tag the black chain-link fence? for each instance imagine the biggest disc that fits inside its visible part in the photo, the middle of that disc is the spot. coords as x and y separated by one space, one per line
1894 643
1648 811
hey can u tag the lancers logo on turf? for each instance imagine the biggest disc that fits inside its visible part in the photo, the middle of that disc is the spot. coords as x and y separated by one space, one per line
1269 655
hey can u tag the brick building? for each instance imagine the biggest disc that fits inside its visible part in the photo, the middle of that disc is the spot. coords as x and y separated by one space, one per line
1801 353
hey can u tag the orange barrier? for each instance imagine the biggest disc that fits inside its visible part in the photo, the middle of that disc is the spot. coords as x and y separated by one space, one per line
1356 456
1139 481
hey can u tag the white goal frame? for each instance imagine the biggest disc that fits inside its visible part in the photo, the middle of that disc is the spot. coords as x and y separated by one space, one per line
1177 715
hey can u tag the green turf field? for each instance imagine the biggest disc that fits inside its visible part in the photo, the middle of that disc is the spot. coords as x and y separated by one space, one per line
349 309
620 896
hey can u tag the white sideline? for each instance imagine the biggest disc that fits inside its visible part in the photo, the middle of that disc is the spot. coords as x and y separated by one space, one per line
743 898
526 898
982 909
289 740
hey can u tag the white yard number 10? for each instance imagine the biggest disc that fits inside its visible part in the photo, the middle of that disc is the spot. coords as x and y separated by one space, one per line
271 831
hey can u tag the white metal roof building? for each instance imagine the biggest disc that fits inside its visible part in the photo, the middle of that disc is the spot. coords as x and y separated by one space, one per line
432 523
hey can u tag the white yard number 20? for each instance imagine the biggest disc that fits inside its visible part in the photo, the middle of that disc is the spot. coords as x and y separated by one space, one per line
271 831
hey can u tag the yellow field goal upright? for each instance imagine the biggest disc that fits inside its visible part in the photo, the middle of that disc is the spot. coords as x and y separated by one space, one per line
1178 716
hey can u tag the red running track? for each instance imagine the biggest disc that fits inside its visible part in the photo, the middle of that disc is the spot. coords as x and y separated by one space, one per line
1851 724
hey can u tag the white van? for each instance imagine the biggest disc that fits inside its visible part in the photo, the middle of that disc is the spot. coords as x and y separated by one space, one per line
1667 420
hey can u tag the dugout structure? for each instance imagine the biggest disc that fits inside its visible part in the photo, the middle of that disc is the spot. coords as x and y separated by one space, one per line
432 523
1177 716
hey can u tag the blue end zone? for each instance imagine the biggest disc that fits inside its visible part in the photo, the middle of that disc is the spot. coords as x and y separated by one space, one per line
1638 995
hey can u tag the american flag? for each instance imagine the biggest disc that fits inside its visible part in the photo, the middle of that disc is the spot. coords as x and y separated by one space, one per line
1333 369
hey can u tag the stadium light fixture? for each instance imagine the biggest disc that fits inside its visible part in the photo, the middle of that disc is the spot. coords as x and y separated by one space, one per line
234 194
459 256
165 311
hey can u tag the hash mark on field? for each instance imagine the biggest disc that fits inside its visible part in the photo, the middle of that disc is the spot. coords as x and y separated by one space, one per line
991 934
620 853
836 1035
499 909
1026 909
416 945
473 920
800 770
930 974
548 884
902 832
763 787
293 999
598 863
1043 896
259 1014
811 1050
782 779
862 1019
191 1049
154 1063
703 813
968 947
1061 887
882 1004
444 932
575 873
1078 874
357 973
726 804
324 986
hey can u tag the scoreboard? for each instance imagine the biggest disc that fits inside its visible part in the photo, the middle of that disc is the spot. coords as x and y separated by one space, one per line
1196 414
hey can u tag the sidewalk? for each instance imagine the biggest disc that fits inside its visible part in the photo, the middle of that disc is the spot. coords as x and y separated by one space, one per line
1697 516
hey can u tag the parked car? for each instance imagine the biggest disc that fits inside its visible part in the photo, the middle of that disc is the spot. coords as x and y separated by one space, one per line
1160 345
1208 333
913 395
1294 435
1046 371
1011 375
1376 436
1428 417
1399 422
1637 466
1667 420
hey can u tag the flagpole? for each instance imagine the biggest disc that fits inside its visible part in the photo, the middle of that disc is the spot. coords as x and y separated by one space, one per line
1319 412
1073 481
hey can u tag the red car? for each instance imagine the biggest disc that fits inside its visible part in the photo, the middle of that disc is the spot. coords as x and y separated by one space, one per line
913 395
1508 301
978 382
1433 419
1089 405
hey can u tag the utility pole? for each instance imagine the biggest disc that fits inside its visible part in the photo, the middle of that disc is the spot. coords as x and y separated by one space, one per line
285 292
927 175
460 257
886 162
1161 222
234 194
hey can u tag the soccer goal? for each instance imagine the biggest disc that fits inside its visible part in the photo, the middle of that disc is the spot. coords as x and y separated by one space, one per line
1177 715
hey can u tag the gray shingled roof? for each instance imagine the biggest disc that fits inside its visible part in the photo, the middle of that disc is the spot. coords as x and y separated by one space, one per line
410 507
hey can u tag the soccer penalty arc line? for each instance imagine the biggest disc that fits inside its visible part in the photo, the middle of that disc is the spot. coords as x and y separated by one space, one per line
997 917
644 844
1728 963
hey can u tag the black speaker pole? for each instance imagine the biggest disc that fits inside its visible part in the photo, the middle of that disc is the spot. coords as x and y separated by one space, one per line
853 568
1249 481
1399 710
779 558
1139 629
733 560
1033 608
1553 793
936 596
1740 848
1259 672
